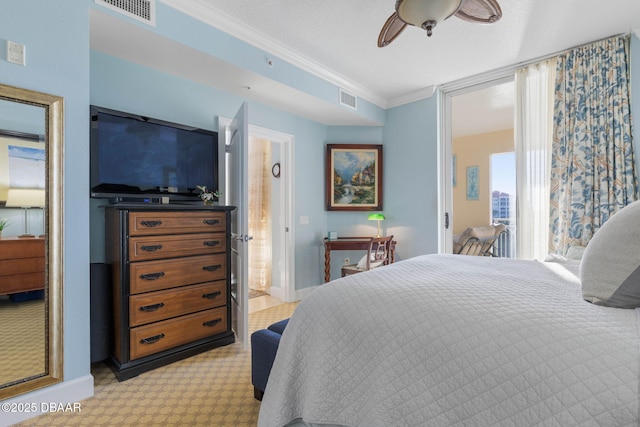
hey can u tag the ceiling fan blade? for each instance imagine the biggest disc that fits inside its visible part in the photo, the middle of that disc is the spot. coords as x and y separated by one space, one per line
390 30
484 11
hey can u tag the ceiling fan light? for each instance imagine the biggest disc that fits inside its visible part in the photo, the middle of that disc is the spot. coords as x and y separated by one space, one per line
428 27
420 12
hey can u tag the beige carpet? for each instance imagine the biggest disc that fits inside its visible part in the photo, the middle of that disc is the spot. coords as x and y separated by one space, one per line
209 389
22 339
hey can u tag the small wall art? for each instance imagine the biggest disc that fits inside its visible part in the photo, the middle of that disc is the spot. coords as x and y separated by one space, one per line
454 169
472 183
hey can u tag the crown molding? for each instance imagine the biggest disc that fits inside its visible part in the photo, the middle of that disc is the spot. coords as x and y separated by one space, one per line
418 95
200 10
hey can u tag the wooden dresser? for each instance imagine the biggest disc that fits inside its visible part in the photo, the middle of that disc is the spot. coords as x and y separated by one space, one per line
171 283
22 265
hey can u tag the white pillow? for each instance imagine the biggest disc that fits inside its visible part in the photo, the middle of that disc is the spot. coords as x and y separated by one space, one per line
610 266
575 252
362 264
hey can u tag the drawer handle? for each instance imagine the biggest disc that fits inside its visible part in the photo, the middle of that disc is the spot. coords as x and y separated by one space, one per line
153 307
211 243
148 223
213 322
212 267
211 221
152 276
152 340
212 295
151 248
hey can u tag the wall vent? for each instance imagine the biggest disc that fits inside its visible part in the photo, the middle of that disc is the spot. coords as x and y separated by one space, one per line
348 99
140 10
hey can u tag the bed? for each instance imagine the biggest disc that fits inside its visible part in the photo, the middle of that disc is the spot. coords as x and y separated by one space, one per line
443 340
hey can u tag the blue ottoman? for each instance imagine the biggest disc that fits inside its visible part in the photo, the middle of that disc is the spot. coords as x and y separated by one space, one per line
264 345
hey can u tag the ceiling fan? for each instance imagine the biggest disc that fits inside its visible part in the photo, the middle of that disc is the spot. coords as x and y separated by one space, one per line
426 14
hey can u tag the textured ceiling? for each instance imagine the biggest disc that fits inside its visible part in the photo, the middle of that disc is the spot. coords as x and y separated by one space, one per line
336 40
341 37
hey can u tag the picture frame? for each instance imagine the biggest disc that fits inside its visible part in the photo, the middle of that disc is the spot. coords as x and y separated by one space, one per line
454 170
25 161
353 179
473 192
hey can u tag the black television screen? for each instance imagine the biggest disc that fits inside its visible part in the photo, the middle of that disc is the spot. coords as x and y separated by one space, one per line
136 156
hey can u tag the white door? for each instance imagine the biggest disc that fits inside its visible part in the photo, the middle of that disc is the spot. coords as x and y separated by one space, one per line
446 130
238 196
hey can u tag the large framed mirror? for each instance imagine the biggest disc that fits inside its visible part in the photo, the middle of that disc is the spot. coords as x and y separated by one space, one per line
31 247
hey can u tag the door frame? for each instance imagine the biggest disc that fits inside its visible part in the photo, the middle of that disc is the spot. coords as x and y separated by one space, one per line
445 145
287 292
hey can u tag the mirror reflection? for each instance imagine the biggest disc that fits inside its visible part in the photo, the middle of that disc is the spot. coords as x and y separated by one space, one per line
23 304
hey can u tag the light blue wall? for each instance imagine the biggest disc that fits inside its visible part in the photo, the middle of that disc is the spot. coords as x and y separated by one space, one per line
56 36
126 86
352 223
59 61
21 118
410 173
191 32
411 159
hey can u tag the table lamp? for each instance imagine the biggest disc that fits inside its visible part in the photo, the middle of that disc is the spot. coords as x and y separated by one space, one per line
376 217
25 198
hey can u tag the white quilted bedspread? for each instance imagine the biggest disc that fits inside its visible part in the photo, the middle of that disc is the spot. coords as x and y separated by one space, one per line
443 340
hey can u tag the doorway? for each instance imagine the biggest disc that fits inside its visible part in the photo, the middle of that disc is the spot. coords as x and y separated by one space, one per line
279 242
266 223
476 122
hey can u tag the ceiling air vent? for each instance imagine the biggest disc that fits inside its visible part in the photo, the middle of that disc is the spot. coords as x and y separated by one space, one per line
348 100
141 10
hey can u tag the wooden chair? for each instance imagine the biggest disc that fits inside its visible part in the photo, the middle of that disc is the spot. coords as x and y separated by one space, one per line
478 241
378 254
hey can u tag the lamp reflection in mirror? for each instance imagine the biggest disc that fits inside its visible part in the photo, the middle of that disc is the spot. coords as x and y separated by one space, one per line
25 198
376 217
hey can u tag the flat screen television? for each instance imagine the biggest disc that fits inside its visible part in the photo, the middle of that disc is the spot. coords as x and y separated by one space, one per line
139 158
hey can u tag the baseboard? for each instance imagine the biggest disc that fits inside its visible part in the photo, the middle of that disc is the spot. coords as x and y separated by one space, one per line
277 293
302 293
65 396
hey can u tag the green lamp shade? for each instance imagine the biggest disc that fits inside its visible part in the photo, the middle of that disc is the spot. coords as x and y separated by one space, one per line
376 216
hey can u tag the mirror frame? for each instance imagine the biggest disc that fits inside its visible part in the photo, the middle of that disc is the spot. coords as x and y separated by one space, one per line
54 139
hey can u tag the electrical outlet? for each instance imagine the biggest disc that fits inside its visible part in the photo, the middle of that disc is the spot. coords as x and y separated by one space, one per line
347 261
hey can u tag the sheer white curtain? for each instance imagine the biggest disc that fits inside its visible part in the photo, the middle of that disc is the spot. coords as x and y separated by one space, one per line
533 134
260 214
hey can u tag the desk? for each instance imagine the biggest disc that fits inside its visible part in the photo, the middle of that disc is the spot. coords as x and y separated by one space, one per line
22 265
347 244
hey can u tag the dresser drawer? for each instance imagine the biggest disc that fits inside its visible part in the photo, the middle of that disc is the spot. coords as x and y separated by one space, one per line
149 339
21 283
16 248
21 266
149 223
161 305
149 276
157 247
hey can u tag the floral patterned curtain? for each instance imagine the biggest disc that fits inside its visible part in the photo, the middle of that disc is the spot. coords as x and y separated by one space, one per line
592 165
